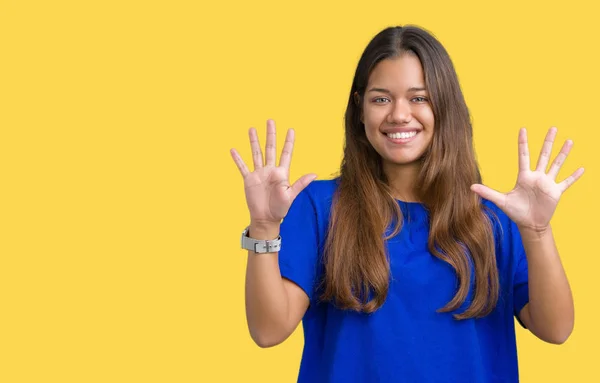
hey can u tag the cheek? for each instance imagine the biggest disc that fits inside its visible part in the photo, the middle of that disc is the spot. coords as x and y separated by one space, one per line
426 117
372 118
371 131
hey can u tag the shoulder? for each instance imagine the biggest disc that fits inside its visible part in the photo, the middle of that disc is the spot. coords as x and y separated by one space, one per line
499 220
323 188
310 211
313 204
506 233
320 193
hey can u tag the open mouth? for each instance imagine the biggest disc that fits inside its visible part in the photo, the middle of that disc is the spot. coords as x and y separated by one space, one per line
402 137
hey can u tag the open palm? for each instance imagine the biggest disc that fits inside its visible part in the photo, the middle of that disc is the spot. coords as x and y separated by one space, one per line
531 204
269 193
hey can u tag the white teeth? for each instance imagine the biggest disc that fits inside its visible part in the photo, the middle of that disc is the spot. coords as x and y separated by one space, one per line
402 135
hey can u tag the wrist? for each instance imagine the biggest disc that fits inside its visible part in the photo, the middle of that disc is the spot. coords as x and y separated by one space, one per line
263 230
535 234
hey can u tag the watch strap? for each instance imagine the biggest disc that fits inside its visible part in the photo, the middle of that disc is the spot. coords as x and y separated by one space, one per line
260 245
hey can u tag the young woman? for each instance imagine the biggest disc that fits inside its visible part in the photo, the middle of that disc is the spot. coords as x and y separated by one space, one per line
404 268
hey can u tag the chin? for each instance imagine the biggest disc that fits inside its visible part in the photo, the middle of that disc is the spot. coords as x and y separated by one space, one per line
403 161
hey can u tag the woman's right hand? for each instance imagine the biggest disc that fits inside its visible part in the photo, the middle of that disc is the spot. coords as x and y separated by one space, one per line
269 194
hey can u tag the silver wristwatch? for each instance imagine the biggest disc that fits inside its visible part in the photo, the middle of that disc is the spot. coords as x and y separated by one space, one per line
260 246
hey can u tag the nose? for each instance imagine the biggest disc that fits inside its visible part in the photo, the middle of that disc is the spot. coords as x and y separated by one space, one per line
400 113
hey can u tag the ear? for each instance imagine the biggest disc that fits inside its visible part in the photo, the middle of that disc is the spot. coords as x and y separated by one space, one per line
358 103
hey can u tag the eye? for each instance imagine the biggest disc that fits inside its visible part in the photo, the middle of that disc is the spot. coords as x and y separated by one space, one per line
380 100
420 99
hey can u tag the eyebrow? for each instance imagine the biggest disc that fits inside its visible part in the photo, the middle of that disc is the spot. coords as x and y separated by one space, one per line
383 90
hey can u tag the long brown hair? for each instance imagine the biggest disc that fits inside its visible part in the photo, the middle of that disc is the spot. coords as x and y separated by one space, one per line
357 268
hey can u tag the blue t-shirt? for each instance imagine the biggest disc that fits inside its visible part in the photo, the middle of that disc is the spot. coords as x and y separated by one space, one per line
406 340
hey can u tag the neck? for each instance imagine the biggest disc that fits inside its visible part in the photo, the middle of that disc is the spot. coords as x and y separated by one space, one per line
402 179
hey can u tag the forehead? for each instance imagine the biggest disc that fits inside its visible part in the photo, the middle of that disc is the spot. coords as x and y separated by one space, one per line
398 73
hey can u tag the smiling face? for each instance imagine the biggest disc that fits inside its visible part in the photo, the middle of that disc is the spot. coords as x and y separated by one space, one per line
397 113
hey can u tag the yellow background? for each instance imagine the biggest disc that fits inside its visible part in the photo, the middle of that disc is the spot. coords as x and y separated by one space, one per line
121 209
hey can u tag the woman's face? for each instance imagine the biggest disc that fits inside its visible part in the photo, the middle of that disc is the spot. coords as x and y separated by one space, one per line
397 114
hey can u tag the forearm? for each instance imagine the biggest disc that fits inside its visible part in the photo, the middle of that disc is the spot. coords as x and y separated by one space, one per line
266 297
550 305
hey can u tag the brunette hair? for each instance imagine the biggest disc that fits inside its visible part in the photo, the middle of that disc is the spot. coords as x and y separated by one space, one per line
357 270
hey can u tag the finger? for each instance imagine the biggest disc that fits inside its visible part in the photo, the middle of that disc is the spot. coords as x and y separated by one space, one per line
288 147
271 147
301 183
257 155
546 150
523 151
239 162
560 159
490 194
571 180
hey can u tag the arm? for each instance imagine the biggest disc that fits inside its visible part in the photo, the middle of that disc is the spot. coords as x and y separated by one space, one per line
549 315
274 305
531 204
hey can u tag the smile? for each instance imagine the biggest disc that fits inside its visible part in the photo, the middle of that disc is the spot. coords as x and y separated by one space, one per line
401 138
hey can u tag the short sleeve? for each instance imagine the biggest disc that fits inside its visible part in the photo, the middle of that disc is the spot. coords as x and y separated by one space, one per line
520 271
300 242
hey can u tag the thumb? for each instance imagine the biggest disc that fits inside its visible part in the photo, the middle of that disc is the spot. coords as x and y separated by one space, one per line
301 183
489 194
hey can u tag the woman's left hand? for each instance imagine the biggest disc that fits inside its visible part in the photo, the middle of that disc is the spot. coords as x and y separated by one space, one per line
533 201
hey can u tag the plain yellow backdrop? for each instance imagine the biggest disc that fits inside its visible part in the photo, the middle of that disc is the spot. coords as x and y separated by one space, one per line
121 209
